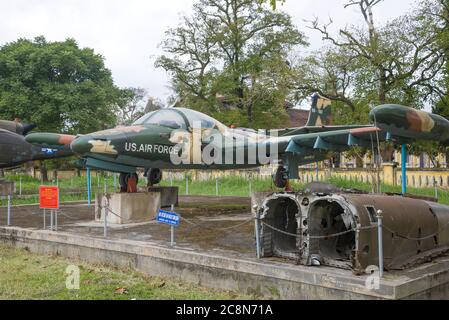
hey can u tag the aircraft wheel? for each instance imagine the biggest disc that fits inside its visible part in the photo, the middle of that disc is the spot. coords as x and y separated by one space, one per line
154 176
280 177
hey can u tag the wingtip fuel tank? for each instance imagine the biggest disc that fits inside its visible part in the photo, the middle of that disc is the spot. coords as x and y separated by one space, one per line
406 122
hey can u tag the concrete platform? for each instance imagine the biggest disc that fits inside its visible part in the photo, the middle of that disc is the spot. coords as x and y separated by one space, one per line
216 252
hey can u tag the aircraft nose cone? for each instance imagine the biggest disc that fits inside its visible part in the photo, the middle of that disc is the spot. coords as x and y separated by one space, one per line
81 145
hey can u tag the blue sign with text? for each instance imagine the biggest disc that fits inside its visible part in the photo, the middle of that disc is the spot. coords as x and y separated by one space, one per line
167 217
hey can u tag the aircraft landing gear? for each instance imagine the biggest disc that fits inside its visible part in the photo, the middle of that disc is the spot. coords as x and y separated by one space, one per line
154 176
280 179
128 182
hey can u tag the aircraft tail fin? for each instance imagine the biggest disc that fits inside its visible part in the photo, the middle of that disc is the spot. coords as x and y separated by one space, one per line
16 127
320 112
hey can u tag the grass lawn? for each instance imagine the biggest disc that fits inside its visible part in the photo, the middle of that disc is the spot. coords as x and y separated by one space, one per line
24 275
74 189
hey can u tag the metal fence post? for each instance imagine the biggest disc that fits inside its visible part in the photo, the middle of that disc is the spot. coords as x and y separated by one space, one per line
51 220
105 186
106 211
115 182
187 185
20 186
56 219
436 189
45 219
216 187
250 186
380 243
9 210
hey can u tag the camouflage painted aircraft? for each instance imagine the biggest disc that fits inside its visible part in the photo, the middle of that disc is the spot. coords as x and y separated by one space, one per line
15 150
179 138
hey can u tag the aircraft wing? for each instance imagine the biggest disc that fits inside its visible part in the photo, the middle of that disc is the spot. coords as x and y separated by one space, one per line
338 140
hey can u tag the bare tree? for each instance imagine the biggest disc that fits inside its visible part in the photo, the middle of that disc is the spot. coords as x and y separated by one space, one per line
400 59
132 105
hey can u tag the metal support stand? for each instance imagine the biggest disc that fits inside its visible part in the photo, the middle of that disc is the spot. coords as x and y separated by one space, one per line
317 172
88 186
20 186
45 214
9 210
55 212
380 243
257 231
404 168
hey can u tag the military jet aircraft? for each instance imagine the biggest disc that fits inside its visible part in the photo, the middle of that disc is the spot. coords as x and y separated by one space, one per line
180 138
15 150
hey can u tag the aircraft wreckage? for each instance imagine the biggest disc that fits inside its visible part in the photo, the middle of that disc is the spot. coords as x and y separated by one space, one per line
338 228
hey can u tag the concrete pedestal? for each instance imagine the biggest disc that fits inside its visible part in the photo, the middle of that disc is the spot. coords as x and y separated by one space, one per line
128 207
7 188
169 195
389 171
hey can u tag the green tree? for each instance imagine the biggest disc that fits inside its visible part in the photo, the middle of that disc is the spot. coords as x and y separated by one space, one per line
272 3
56 85
440 8
236 51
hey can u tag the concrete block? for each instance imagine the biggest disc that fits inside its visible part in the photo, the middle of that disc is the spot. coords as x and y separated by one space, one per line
7 188
169 195
128 207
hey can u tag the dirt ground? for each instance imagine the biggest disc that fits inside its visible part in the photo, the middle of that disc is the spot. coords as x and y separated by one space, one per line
209 223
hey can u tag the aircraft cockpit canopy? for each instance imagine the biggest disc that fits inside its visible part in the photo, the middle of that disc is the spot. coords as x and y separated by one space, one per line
178 118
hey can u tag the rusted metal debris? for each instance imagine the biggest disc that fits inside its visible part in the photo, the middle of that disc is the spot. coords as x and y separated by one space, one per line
335 227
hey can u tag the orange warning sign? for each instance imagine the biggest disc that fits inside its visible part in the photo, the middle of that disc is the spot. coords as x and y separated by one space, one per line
49 197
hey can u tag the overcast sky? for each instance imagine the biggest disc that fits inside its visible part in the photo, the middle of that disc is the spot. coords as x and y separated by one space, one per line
127 32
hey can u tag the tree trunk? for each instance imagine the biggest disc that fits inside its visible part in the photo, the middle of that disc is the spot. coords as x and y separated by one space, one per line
382 87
